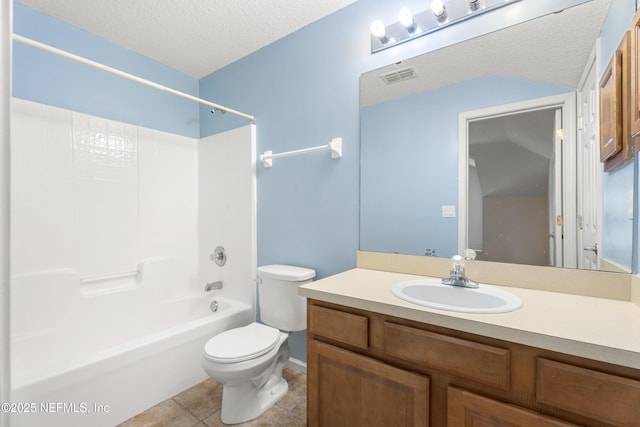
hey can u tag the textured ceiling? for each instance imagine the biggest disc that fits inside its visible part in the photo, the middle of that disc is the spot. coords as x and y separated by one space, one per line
552 49
196 37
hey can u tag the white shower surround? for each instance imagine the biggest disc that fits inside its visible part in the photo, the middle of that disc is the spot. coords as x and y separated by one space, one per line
127 343
6 24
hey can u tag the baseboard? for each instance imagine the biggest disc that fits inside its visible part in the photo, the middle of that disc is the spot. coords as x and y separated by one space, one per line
608 265
297 365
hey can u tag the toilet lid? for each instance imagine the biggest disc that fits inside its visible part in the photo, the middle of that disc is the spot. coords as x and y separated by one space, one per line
247 342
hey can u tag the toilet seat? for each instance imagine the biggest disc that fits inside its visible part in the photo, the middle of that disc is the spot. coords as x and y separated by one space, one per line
239 344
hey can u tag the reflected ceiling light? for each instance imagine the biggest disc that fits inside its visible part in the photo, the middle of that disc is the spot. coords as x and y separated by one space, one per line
406 19
474 5
438 9
378 30
440 14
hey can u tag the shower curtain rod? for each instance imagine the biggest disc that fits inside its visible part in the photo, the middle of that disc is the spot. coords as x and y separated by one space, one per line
126 75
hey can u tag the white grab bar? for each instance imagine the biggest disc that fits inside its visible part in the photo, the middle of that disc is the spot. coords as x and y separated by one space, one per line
335 146
103 278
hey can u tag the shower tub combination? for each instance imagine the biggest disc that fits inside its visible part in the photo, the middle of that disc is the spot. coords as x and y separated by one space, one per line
108 310
130 351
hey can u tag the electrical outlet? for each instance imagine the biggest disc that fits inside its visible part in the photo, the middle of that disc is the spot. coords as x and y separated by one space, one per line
448 211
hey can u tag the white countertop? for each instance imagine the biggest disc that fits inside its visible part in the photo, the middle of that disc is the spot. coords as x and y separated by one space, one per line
595 328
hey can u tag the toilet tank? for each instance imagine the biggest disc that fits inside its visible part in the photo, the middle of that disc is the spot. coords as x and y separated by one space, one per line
280 305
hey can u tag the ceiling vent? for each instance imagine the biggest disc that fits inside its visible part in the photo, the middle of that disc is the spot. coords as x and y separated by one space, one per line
399 75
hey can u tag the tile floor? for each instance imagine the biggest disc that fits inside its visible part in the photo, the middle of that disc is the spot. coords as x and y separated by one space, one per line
199 406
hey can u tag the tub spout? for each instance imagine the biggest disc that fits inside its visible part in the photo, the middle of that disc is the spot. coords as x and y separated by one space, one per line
213 285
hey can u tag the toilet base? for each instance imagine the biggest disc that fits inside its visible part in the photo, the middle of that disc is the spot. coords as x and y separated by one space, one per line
241 403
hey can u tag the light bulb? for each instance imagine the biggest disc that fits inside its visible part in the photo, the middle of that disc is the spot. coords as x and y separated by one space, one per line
474 5
377 29
405 17
437 7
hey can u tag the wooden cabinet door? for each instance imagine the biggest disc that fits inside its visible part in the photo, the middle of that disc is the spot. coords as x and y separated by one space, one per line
347 389
623 53
465 409
611 108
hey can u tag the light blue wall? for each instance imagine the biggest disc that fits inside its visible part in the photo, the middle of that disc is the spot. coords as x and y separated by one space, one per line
49 79
410 147
636 213
303 93
617 239
303 90
617 226
617 23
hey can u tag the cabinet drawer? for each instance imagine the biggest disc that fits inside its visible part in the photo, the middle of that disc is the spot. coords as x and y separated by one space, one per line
347 328
604 397
468 409
466 359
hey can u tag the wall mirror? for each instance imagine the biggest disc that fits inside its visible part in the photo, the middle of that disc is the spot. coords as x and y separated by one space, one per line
483 144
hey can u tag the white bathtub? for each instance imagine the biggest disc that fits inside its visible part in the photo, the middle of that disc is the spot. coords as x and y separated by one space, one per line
103 373
122 340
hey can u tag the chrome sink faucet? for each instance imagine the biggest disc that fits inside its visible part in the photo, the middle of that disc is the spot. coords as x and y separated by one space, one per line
457 274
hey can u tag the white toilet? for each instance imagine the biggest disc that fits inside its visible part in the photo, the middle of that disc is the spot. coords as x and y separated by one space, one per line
248 361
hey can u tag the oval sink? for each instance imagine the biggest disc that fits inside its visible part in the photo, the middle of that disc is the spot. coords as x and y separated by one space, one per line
432 293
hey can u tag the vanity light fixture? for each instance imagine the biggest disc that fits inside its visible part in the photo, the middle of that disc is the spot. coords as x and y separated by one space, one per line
380 32
406 19
474 5
441 14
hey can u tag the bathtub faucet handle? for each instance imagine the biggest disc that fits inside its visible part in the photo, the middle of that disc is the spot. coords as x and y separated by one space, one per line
219 256
213 285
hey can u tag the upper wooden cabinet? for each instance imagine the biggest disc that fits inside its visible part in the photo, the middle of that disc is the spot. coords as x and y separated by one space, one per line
611 108
616 95
634 42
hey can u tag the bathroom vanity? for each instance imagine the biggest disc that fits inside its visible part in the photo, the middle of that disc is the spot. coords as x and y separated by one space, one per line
374 359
